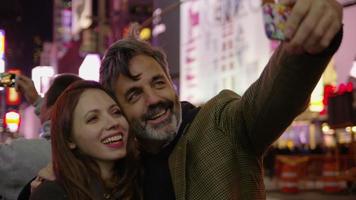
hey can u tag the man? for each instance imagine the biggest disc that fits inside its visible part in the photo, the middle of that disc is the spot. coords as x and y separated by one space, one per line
215 151
23 158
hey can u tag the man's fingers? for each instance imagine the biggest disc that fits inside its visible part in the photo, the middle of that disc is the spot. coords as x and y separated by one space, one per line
335 26
47 173
326 40
24 80
312 25
287 2
319 31
306 29
329 25
35 183
299 11
19 85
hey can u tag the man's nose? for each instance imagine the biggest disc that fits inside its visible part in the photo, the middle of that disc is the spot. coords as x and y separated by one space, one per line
151 97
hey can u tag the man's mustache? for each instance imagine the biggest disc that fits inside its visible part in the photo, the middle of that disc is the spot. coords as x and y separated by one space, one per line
156 108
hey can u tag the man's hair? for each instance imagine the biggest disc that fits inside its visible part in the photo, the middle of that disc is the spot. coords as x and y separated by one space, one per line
59 84
118 56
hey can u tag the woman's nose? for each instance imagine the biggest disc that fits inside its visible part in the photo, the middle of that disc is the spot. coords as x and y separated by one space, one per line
111 123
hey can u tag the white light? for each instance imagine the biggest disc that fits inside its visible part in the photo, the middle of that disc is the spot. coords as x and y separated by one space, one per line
353 129
2 69
41 76
327 130
81 15
348 129
353 69
12 127
159 29
2 43
89 69
316 99
2 66
2 52
12 115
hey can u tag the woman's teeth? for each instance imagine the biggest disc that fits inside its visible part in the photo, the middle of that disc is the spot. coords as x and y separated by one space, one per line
112 139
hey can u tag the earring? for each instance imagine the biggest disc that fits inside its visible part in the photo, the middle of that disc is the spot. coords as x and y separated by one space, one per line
72 145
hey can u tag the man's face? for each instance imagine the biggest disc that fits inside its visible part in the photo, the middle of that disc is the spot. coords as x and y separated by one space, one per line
150 103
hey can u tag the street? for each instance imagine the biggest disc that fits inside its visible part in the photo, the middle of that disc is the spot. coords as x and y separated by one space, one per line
310 196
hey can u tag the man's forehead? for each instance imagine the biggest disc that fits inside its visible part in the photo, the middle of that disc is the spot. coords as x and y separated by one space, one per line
143 63
140 69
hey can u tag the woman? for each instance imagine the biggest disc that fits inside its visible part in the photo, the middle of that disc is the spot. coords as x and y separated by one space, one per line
94 156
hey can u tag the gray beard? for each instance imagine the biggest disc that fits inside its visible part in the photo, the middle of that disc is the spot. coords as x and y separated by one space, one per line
150 133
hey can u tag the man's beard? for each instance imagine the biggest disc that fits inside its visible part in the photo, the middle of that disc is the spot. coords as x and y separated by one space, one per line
164 131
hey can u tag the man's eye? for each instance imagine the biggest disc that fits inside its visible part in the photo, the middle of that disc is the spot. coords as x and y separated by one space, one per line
133 97
159 83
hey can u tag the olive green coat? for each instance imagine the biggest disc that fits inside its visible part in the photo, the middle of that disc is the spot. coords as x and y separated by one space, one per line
220 154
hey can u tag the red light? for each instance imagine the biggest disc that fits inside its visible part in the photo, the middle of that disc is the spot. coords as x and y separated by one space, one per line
13 98
349 87
342 89
329 90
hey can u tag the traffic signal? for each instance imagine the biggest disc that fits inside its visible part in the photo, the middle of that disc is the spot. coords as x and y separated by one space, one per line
12 120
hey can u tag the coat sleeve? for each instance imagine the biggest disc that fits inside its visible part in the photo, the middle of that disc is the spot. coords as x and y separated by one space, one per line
19 162
272 102
49 190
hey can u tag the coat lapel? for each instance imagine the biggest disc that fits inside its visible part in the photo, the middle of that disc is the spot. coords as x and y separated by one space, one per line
177 165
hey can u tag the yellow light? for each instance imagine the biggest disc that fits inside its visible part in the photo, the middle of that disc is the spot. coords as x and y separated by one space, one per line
2 43
353 129
325 128
145 34
316 99
13 95
12 121
348 129
12 116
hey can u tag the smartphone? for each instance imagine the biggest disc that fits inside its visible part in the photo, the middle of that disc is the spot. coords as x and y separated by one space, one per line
7 79
275 17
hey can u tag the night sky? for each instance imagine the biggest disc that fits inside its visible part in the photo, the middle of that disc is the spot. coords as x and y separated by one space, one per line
27 25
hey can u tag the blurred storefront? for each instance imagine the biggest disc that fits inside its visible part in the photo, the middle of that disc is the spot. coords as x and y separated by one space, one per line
223 46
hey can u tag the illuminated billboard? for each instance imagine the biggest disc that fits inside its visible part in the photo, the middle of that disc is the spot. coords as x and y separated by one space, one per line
222 45
41 77
2 50
2 43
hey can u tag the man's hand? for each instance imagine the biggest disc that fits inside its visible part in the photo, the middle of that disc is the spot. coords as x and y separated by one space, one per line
312 25
45 173
27 88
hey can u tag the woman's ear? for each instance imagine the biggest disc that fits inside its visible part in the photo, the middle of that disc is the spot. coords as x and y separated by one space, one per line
72 145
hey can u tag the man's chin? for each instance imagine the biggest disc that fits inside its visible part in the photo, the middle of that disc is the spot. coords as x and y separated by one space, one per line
161 134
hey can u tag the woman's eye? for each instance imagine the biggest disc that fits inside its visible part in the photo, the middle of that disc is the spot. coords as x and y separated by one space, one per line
92 119
117 112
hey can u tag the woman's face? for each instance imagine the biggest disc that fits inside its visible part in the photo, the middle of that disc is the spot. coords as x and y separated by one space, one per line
99 128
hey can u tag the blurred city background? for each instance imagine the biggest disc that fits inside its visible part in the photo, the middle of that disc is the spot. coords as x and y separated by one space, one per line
211 45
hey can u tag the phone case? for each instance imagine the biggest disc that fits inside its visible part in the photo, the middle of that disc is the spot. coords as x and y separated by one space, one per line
7 80
275 17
